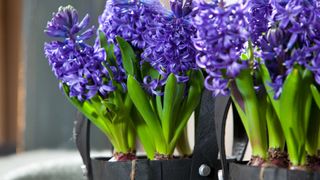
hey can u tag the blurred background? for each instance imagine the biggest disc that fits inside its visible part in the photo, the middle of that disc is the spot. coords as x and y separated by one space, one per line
36 120
34 114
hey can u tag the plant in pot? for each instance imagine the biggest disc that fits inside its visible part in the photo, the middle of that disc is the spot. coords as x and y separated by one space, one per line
138 79
264 54
162 80
91 81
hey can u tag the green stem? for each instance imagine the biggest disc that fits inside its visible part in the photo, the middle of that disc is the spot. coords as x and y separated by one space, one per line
132 135
119 129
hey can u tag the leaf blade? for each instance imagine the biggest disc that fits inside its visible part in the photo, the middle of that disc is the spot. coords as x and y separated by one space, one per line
128 56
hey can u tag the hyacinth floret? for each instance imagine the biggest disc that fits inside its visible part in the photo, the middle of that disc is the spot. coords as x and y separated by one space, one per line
74 62
221 34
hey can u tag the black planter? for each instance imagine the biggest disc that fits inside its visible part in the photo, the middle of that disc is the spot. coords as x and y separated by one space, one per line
203 165
241 171
238 170
142 169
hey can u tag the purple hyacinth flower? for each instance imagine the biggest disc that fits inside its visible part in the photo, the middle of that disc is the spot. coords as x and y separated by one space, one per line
75 63
129 20
277 86
259 14
287 13
291 39
220 38
176 7
150 85
217 85
169 48
64 24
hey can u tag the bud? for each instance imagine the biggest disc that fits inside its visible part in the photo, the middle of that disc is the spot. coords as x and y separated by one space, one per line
274 36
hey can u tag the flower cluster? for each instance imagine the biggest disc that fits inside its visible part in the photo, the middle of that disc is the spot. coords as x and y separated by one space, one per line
154 32
292 38
75 63
129 20
221 35
259 14
169 44
272 44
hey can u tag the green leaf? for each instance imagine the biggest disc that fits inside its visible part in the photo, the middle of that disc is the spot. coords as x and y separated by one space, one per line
103 40
110 55
178 102
315 94
143 132
159 106
128 56
168 103
266 81
291 116
256 122
87 110
306 96
275 134
141 102
190 104
148 70
312 131
239 103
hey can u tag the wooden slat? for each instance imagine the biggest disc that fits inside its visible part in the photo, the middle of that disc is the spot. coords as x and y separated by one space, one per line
10 71
13 57
2 84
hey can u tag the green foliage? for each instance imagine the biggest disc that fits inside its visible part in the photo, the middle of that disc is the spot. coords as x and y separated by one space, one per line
166 116
129 60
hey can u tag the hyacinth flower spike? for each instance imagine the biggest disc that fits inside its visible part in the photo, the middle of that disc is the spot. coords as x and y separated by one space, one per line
162 84
91 83
122 22
258 17
221 36
289 50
